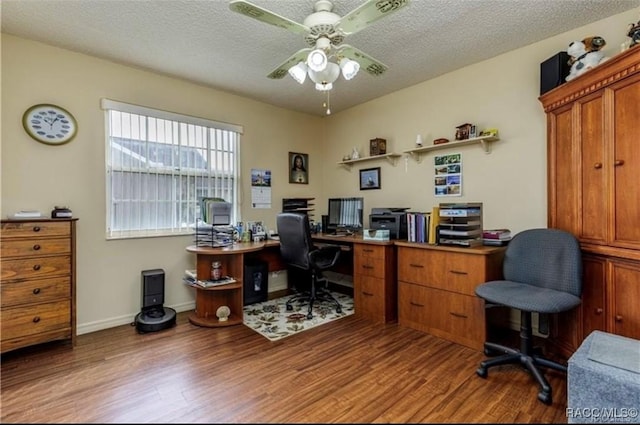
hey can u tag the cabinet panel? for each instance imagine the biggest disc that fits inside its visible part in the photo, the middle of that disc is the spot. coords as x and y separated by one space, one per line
33 268
35 229
625 278
368 266
416 267
34 319
594 305
594 176
626 163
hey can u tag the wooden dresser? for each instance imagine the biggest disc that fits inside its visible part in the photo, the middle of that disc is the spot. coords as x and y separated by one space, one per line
436 289
37 281
593 153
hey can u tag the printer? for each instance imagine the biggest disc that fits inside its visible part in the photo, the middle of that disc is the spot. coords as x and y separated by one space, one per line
392 219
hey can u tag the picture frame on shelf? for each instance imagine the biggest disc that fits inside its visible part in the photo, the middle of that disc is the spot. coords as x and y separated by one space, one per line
298 168
377 146
370 178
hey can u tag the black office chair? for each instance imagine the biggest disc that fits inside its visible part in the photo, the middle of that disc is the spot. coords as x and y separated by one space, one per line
542 273
298 251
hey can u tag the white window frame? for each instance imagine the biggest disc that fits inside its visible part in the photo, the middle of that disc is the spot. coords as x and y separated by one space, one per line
217 174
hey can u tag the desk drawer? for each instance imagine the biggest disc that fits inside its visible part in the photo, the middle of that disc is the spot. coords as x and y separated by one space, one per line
455 317
368 294
33 268
369 251
34 247
35 229
368 266
35 291
35 319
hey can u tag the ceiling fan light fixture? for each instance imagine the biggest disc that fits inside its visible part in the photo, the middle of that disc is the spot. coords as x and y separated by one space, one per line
299 72
324 79
317 60
349 68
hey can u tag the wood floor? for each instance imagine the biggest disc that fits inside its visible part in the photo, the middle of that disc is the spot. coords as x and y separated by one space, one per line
349 371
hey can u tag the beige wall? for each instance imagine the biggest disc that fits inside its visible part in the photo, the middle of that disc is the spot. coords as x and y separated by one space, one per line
500 92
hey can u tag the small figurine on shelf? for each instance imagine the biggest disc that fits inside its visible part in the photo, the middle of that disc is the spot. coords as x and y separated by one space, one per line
585 55
634 33
355 154
419 141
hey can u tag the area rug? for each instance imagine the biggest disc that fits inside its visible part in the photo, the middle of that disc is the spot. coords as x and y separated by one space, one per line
272 320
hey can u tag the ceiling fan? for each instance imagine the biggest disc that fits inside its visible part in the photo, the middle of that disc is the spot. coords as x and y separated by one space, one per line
324 31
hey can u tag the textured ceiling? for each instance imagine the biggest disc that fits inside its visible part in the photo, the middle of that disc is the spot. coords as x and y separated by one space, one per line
205 42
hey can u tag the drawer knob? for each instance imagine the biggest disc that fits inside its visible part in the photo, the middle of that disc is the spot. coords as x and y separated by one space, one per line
457 272
36 229
36 291
368 294
36 267
618 318
36 319
416 304
367 250
36 247
364 266
599 311
618 162
419 266
463 316
597 165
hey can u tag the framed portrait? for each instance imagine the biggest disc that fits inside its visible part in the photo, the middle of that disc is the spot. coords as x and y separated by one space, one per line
298 168
370 178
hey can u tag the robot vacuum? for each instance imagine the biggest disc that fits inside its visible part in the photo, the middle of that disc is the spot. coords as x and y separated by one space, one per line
155 319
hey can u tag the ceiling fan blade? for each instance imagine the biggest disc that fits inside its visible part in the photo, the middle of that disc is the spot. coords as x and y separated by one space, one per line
256 12
367 13
282 69
369 64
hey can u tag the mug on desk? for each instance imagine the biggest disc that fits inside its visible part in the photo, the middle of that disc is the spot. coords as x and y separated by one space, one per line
246 236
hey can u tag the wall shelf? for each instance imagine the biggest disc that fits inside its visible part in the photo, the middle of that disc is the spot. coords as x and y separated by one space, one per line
391 157
484 141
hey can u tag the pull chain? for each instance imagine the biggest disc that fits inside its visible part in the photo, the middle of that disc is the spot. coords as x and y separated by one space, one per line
327 104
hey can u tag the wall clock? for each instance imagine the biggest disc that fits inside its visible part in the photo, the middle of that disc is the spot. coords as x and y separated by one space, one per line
49 124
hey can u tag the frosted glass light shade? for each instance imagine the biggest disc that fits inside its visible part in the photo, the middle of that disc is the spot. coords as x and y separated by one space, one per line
299 72
349 68
317 60
324 80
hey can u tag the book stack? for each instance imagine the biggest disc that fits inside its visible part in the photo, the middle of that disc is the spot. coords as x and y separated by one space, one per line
496 237
460 224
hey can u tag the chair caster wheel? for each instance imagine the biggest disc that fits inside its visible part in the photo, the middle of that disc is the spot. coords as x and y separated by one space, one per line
481 372
544 397
339 310
289 307
309 316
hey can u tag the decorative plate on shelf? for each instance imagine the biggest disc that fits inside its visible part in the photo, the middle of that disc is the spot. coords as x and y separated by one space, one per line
49 124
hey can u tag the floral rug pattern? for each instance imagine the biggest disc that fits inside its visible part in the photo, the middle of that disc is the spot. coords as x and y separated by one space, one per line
272 320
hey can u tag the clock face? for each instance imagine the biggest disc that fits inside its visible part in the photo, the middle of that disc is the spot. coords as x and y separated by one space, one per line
49 124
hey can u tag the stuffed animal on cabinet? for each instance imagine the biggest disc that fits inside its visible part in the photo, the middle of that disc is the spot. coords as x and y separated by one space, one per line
585 55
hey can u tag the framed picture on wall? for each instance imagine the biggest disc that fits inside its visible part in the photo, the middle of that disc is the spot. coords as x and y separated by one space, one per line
370 178
298 168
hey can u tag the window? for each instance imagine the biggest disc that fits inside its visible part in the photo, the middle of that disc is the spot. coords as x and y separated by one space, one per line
161 164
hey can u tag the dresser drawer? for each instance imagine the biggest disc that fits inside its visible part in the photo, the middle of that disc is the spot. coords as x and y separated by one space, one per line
35 229
33 319
34 247
455 317
35 291
34 268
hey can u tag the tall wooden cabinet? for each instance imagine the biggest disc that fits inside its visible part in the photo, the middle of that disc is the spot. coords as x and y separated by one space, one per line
593 153
38 281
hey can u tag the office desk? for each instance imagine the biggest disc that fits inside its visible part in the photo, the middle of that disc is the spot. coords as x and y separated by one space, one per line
374 277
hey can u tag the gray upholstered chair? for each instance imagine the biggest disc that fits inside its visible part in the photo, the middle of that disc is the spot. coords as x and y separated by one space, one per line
299 252
542 273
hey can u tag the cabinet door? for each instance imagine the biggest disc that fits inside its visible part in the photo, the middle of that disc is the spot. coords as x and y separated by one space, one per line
593 184
562 170
626 163
625 289
593 295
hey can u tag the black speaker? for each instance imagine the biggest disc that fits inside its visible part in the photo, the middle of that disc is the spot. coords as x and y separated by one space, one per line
553 72
325 224
152 288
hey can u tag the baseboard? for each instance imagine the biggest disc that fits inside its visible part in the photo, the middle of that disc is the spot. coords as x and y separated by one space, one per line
99 325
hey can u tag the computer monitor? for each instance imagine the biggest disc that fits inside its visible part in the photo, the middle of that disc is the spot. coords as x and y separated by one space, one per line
345 214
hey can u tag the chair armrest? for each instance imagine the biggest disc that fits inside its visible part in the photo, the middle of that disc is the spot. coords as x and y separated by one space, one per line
325 256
